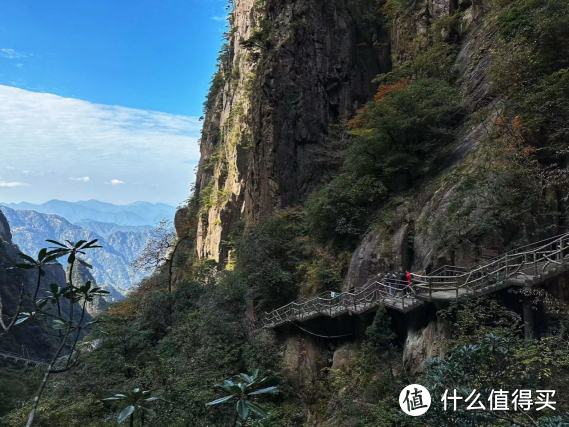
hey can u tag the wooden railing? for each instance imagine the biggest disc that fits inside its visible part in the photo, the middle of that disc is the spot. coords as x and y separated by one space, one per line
529 261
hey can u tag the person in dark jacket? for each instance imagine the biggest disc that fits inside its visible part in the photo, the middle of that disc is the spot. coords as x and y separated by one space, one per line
401 282
391 283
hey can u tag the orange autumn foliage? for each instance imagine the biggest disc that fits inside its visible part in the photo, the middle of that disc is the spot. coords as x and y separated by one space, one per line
125 308
382 92
356 122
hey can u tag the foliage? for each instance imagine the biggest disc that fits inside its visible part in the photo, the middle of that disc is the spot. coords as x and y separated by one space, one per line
474 319
267 261
182 342
521 159
179 344
216 84
323 272
488 352
134 400
495 362
395 7
248 385
162 247
379 335
530 68
362 389
398 138
51 310
156 250
15 387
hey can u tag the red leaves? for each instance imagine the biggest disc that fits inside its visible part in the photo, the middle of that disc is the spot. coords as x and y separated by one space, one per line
384 90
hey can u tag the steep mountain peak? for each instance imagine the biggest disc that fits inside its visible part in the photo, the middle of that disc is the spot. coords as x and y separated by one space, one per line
5 228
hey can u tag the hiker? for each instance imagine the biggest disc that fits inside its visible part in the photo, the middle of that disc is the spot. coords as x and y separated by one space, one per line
389 280
409 279
401 282
402 279
385 280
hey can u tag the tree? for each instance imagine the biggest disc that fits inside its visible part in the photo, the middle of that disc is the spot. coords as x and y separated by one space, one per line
380 339
50 308
242 392
134 401
14 317
496 363
160 249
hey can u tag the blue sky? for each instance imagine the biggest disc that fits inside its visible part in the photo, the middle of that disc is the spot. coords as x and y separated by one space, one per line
105 90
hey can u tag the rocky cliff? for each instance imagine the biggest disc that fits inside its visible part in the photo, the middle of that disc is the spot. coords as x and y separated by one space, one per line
289 71
27 338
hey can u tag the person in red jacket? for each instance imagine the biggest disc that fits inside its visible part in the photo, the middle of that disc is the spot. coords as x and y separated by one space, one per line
409 281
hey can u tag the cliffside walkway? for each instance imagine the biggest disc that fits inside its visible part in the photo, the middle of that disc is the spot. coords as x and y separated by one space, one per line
22 358
523 267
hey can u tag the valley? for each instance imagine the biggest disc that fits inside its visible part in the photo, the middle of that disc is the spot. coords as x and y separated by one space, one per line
122 241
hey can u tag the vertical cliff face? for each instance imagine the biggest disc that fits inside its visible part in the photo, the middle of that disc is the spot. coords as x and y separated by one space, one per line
406 243
27 337
289 71
5 233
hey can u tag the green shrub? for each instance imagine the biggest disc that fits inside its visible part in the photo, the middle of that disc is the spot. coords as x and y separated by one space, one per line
267 261
398 139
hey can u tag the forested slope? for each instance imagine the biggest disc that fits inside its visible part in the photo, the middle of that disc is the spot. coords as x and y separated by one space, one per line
341 139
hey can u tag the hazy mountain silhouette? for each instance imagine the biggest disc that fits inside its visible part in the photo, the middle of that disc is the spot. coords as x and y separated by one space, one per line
134 214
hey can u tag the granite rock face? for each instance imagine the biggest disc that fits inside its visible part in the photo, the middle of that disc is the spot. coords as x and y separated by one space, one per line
423 343
379 250
311 64
5 228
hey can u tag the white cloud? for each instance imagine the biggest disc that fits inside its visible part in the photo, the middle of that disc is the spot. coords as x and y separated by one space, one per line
80 179
19 65
116 182
69 127
13 184
45 133
219 18
12 54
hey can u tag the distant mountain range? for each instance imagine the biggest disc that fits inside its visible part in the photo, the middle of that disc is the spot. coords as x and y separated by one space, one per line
134 214
123 231
105 229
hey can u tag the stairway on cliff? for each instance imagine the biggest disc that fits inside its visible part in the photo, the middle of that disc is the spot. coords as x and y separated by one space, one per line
527 266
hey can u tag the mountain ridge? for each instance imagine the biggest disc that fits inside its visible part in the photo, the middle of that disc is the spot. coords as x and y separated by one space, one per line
111 265
137 214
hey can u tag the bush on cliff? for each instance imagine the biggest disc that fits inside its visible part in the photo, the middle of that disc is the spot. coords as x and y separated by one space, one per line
397 139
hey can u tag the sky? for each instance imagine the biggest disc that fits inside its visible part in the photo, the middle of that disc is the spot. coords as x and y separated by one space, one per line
102 99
